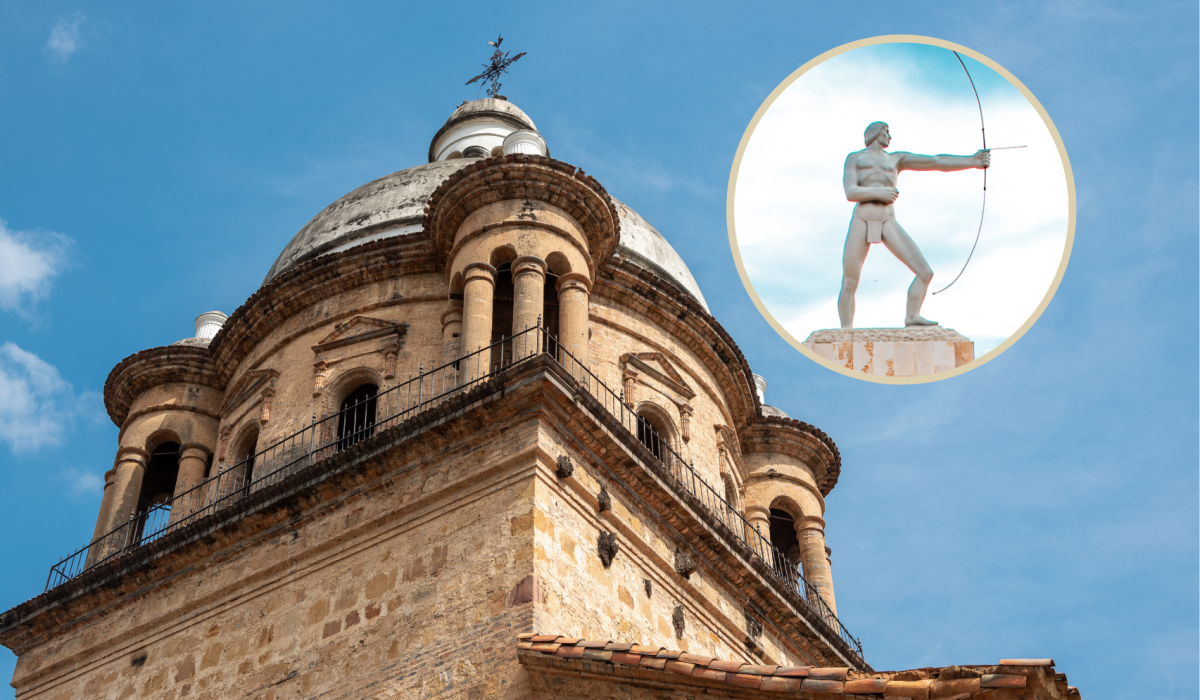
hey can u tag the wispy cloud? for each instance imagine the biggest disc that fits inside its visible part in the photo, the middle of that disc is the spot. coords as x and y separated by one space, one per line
37 406
81 484
28 262
64 38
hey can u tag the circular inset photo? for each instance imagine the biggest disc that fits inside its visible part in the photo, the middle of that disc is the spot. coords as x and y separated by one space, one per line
901 209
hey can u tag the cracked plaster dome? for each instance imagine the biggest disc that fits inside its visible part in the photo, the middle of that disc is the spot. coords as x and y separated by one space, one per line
394 205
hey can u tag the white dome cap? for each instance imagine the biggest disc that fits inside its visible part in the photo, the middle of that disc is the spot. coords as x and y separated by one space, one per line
478 129
208 323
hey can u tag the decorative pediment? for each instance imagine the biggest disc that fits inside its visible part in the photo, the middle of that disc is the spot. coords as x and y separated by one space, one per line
246 386
657 366
357 330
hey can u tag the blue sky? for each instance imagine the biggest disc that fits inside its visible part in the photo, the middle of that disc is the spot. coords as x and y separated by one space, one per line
156 159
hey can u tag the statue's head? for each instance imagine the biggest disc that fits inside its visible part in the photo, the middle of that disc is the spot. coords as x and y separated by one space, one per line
874 131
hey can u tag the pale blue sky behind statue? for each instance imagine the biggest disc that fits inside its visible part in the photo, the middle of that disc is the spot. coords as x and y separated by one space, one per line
157 159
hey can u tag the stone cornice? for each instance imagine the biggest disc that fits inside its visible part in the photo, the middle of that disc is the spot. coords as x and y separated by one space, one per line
796 439
141 371
284 296
523 177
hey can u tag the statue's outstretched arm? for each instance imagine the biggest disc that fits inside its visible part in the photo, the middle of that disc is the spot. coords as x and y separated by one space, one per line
943 163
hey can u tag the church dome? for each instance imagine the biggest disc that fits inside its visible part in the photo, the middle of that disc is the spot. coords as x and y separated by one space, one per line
394 205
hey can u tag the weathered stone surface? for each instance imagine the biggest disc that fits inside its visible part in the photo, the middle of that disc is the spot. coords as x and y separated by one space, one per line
894 352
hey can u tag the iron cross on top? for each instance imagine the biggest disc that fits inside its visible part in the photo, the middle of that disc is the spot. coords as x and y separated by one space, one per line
496 68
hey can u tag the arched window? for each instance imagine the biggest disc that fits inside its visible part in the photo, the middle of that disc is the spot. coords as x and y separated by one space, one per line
158 486
502 313
783 536
356 421
654 432
244 454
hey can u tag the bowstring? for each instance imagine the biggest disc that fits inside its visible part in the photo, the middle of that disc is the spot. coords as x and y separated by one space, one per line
983 207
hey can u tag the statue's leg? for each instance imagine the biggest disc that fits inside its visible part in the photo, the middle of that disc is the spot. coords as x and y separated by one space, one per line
853 257
903 247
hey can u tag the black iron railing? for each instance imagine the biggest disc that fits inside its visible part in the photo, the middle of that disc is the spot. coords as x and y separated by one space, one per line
683 475
358 421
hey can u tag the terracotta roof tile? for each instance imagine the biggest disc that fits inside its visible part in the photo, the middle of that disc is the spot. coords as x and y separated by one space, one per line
731 666
950 683
1026 662
679 667
1002 680
866 686
743 680
709 673
694 659
810 685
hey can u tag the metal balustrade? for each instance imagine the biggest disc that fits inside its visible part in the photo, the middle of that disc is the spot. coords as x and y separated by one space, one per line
354 423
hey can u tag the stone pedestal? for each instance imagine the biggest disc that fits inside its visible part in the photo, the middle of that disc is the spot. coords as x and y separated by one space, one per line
894 352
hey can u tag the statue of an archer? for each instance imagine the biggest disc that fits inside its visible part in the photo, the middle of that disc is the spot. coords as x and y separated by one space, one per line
870 182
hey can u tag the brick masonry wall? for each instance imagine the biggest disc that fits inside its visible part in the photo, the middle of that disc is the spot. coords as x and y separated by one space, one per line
581 597
415 588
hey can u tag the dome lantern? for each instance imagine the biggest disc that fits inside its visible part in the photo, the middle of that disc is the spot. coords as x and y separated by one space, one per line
481 127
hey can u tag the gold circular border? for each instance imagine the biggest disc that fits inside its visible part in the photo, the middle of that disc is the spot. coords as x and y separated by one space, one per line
901 39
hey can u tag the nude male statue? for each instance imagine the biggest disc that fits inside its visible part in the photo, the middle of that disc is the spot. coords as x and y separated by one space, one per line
870 181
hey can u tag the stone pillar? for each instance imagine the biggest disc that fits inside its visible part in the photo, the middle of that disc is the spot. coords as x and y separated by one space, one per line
479 286
529 281
760 524
810 530
452 326
193 464
102 518
127 487
573 291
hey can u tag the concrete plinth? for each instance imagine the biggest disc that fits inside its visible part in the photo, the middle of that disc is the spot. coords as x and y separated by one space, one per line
894 352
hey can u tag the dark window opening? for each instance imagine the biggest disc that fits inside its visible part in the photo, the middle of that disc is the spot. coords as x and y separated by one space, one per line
356 421
158 486
245 466
783 536
502 315
651 438
550 313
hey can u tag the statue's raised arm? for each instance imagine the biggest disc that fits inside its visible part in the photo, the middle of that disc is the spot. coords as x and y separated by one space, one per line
943 163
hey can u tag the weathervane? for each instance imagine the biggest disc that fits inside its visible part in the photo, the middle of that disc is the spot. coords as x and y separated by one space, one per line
496 68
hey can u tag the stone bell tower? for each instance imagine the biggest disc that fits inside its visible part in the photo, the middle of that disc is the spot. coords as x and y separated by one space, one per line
478 410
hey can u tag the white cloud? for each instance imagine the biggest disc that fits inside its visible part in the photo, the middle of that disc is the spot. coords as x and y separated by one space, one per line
64 38
27 263
37 406
83 484
791 214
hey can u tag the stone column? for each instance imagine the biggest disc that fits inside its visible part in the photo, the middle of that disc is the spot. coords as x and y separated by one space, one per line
102 518
193 464
760 524
810 530
529 282
479 286
127 488
573 291
452 327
